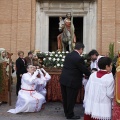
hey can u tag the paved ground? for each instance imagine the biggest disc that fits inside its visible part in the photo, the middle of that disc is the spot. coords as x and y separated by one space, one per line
52 111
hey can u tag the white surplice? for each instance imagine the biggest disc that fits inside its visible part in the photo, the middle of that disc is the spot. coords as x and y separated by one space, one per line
44 79
29 100
98 96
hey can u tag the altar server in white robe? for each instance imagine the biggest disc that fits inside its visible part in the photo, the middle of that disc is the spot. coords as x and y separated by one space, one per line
94 55
45 77
99 92
29 100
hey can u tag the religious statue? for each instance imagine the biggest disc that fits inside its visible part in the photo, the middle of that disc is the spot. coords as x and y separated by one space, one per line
67 37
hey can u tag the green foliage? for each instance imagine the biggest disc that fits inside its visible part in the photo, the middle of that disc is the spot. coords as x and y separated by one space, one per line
112 54
87 60
53 59
111 50
41 55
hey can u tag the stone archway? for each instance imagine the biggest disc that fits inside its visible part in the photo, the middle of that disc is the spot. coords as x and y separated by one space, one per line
86 9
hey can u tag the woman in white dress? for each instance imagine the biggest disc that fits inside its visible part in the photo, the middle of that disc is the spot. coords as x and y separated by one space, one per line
29 100
99 92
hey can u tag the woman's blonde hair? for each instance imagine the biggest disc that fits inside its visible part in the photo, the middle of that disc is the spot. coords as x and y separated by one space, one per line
20 52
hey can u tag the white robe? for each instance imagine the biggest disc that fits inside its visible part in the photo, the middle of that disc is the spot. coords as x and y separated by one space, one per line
98 96
29 100
95 63
44 79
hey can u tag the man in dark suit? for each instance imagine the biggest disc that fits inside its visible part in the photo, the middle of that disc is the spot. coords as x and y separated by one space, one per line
20 69
71 79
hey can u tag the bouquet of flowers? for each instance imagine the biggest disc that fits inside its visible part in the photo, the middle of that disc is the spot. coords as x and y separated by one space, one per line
53 59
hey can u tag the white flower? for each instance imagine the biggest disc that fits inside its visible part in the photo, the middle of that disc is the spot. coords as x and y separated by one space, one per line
63 56
53 52
63 60
56 55
46 53
49 58
58 59
54 59
61 65
67 52
63 52
60 55
55 66
59 52
58 65
44 59
85 61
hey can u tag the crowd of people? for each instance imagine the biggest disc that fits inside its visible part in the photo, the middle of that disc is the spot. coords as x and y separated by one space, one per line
31 83
98 83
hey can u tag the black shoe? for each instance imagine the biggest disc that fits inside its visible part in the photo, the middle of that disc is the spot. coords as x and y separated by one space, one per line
74 117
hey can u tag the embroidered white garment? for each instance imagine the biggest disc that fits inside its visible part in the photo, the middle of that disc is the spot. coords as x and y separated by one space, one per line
41 86
95 63
84 82
98 96
29 100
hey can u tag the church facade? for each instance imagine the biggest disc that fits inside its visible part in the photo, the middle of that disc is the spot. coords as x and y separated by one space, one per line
33 24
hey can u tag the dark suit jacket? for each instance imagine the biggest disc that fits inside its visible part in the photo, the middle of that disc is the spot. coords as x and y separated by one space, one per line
20 66
73 70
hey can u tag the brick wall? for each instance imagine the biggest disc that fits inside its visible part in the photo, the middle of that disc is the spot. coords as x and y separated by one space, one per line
17 25
108 25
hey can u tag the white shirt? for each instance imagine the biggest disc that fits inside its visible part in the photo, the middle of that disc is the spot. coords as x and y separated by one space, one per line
98 96
29 81
94 64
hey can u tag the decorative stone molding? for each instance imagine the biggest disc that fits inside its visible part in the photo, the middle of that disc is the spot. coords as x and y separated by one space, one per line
45 9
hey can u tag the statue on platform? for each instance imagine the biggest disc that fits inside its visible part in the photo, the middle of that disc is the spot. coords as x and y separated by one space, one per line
67 37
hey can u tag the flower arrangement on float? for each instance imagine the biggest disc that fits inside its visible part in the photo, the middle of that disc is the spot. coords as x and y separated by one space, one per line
52 59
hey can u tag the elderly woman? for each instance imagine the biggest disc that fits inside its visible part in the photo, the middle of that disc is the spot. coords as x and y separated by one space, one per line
4 59
3 54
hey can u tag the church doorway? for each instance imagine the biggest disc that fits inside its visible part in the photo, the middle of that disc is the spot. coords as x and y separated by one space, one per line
54 32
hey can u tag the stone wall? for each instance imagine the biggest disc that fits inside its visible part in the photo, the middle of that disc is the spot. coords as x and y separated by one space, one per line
85 9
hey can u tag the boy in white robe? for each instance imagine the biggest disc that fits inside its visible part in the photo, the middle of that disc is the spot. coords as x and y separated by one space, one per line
94 55
45 77
29 100
99 92
84 81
